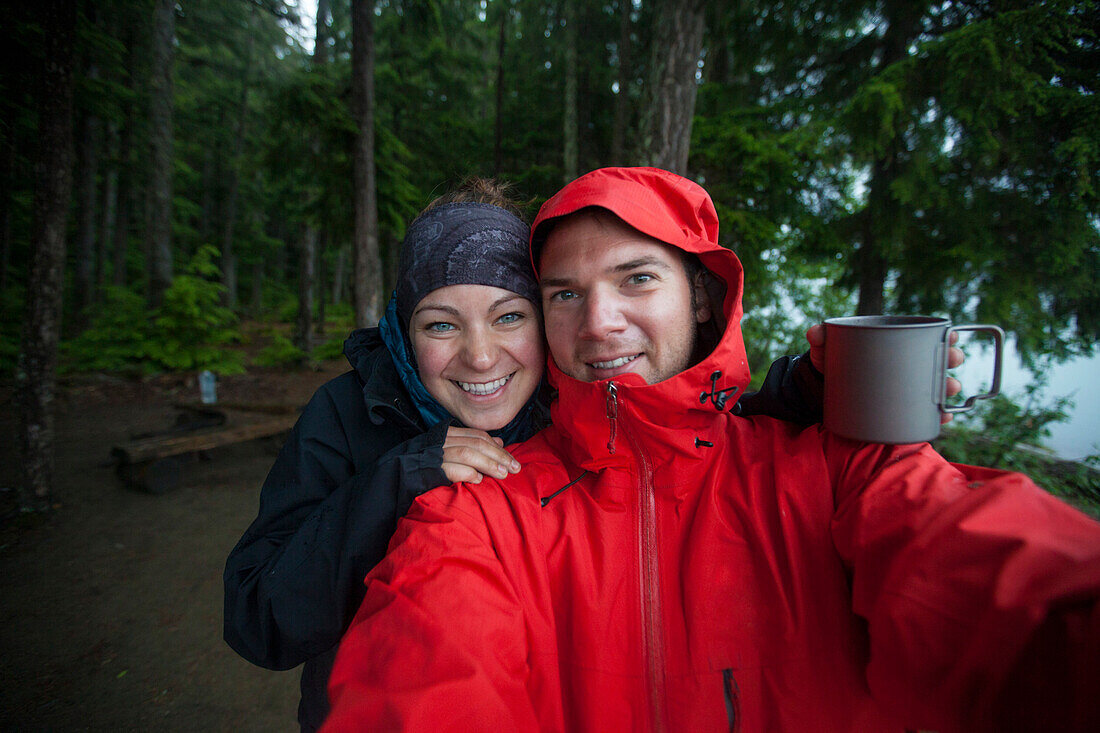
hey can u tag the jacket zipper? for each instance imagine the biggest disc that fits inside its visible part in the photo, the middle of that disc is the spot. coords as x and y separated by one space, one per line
612 414
651 594
648 569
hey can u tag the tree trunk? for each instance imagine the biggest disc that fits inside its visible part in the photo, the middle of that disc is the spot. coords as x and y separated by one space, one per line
871 267
229 214
307 273
159 234
278 232
228 256
668 113
881 225
121 242
7 185
257 287
340 276
389 267
306 278
622 99
211 175
322 281
320 41
53 188
571 146
498 132
367 265
108 208
85 180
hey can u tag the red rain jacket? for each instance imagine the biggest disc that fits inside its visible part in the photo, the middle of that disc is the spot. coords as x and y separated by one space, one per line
660 564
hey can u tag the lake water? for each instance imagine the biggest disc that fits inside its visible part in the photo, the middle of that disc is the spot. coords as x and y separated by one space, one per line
1078 379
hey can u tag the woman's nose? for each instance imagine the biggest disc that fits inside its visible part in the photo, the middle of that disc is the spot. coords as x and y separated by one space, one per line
480 349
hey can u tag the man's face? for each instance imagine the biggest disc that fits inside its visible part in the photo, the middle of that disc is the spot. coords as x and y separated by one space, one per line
616 301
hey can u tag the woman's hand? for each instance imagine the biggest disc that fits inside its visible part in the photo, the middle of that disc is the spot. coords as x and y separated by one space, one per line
469 454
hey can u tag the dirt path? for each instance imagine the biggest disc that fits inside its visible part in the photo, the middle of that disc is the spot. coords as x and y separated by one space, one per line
111 609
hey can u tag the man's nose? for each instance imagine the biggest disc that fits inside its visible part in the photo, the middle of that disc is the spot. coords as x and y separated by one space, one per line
602 315
480 349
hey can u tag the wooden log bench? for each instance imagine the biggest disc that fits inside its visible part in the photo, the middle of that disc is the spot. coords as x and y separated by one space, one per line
154 462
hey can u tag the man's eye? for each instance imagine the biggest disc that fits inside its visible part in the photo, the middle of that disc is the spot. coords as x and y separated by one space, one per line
640 278
439 327
563 295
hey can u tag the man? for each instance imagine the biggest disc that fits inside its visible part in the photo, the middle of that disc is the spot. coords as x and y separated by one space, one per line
660 564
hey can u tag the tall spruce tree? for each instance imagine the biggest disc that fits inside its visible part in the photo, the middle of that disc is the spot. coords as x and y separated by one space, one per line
366 256
159 230
53 187
669 106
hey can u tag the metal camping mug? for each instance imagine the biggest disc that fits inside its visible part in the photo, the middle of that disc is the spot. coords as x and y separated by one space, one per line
885 376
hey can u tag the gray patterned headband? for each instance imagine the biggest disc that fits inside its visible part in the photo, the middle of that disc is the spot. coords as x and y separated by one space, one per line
463 244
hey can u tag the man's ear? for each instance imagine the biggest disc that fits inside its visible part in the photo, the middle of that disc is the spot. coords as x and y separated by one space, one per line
701 299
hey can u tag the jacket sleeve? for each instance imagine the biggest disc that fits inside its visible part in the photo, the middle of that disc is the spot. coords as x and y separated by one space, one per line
294 580
980 592
793 390
439 643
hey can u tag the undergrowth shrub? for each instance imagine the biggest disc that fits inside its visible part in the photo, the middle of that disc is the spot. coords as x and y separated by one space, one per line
331 349
280 352
187 332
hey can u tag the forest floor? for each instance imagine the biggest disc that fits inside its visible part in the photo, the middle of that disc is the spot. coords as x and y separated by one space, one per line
111 606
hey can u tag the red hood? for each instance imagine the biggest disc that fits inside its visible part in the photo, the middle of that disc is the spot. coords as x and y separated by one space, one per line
680 213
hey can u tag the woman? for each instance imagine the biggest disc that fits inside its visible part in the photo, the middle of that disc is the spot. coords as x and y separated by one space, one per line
450 376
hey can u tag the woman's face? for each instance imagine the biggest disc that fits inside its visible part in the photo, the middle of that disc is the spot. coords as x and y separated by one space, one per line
480 352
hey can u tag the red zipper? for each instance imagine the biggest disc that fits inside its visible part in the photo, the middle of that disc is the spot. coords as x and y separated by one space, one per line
612 414
649 574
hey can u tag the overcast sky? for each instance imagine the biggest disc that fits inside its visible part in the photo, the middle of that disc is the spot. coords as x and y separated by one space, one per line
305 33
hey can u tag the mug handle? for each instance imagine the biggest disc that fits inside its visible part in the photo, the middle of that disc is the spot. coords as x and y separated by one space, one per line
999 339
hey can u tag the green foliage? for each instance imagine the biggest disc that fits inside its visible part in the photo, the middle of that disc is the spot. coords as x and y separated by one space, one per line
280 352
1006 433
876 116
286 309
117 339
980 163
188 332
192 326
755 171
958 141
331 349
339 317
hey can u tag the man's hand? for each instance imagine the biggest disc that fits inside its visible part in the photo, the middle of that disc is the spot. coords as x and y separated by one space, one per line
955 357
469 454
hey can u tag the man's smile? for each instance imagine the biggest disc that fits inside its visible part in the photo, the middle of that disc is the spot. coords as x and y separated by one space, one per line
613 363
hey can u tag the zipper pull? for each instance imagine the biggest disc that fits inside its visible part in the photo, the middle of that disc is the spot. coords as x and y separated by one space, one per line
612 413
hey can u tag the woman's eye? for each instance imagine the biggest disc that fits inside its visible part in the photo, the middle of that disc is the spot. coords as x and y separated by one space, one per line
439 327
510 318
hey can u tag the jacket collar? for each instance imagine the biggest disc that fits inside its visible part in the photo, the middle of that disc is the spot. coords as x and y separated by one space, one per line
385 397
609 422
